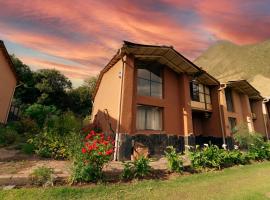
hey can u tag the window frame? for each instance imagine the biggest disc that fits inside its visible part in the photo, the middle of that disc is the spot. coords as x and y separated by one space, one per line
200 92
151 80
146 117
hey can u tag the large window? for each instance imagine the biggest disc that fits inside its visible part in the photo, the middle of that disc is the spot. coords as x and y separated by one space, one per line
149 118
229 99
149 81
200 92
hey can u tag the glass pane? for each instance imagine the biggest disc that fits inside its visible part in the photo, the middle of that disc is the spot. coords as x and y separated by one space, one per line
140 118
201 88
156 89
207 91
143 87
144 73
153 120
208 99
202 97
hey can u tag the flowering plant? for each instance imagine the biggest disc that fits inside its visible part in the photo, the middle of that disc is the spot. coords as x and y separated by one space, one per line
95 153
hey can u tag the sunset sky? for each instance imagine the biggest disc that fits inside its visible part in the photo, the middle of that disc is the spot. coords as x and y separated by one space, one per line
78 37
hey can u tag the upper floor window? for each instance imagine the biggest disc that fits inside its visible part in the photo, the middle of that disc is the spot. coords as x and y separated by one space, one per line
200 92
149 81
229 99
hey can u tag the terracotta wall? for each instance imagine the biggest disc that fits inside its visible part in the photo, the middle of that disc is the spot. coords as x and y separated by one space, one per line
242 111
108 97
175 104
212 126
7 87
259 126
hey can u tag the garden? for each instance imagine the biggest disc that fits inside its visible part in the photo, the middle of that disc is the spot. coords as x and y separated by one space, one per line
52 145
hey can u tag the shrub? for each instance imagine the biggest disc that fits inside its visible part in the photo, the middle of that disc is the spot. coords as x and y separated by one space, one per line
8 135
28 148
128 171
234 157
42 176
245 138
141 167
57 138
208 157
174 159
260 151
213 157
40 113
136 169
95 153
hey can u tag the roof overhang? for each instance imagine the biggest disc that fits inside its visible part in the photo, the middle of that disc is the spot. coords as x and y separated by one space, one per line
168 56
244 87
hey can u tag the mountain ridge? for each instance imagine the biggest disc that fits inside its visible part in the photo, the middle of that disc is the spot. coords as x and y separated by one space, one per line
228 61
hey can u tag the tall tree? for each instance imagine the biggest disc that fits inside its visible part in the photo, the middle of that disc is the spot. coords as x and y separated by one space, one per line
53 87
26 93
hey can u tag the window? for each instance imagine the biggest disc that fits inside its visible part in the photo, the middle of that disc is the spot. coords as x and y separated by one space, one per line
229 100
232 122
149 118
149 81
200 92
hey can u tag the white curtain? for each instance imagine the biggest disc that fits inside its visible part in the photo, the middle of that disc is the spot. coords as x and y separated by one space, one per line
140 119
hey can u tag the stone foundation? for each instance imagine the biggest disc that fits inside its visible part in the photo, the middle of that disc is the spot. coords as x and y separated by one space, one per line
157 143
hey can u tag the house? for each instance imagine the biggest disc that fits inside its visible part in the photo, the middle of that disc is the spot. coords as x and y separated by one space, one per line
241 103
8 81
153 95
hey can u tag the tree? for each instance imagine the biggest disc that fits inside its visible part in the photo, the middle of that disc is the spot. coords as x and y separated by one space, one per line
80 101
25 93
53 87
91 84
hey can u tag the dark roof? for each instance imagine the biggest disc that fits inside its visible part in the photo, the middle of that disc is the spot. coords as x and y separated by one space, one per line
166 55
243 86
6 54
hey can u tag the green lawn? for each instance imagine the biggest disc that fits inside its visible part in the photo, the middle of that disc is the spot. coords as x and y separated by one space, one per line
242 182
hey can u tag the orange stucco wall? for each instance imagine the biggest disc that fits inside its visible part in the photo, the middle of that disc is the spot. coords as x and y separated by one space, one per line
175 102
256 107
242 111
212 125
108 97
7 87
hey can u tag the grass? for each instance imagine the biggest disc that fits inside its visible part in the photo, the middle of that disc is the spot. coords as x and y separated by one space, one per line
242 182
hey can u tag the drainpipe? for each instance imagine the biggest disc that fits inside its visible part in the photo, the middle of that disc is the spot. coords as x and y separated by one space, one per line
10 102
220 114
117 135
264 120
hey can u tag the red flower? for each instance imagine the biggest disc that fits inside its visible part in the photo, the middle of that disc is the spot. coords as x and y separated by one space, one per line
83 150
109 152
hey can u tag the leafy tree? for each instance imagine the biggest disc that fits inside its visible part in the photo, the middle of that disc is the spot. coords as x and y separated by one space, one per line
53 87
26 93
91 84
80 100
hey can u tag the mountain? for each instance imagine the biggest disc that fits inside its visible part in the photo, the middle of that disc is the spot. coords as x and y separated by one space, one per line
227 61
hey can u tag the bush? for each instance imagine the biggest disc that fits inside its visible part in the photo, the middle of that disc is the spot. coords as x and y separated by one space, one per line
136 169
213 157
28 148
260 151
174 159
8 135
128 171
57 138
42 176
95 153
40 113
